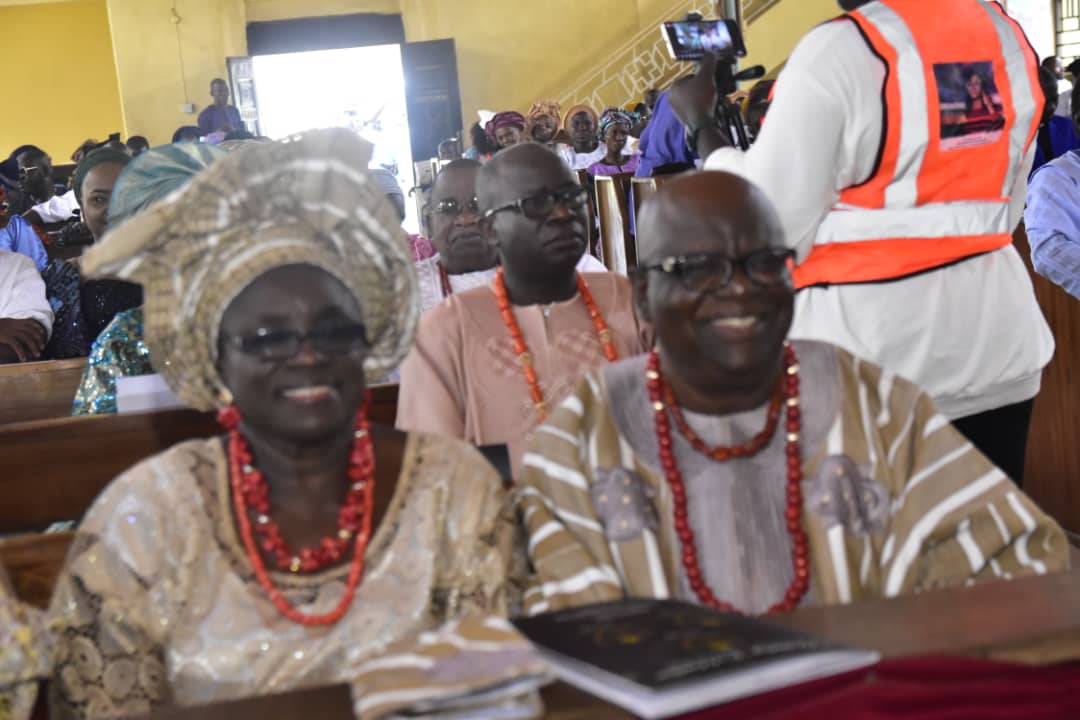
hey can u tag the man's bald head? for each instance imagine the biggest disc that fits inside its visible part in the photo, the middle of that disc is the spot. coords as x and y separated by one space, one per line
713 279
707 212
459 166
539 247
519 170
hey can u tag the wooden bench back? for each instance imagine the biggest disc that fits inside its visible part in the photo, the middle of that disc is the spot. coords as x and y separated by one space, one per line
646 187
613 206
53 469
584 179
1052 465
39 390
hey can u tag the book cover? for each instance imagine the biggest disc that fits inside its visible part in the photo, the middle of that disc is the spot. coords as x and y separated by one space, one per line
659 643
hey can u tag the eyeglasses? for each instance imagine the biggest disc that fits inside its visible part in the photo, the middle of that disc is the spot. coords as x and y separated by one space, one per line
338 340
539 206
709 272
452 208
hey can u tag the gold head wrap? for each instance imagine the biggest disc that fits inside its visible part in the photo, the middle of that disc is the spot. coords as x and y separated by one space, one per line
551 108
308 200
569 119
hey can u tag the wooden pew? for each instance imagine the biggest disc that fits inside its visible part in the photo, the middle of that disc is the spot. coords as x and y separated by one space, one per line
645 187
53 469
584 179
612 200
979 621
1052 465
39 390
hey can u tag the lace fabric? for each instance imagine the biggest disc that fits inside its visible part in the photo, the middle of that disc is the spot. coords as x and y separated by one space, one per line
161 605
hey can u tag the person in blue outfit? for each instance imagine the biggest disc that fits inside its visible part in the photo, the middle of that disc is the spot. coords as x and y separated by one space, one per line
1057 134
1052 216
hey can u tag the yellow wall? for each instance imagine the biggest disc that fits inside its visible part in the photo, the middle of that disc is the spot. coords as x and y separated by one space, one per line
59 85
771 37
509 53
263 10
155 81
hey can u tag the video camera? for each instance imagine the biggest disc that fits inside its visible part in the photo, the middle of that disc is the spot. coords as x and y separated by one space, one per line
690 39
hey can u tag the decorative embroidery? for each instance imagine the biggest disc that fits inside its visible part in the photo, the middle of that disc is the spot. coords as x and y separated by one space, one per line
624 503
841 494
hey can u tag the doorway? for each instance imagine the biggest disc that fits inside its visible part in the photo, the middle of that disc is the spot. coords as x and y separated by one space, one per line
361 88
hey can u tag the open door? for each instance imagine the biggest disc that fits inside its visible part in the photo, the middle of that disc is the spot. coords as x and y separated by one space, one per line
432 95
242 82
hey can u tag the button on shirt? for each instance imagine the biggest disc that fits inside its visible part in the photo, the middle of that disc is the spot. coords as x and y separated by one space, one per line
1053 221
970 334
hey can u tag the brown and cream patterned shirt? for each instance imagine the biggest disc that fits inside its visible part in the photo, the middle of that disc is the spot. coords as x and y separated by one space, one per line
895 500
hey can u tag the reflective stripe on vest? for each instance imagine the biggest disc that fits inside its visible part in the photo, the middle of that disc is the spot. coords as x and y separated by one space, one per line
935 197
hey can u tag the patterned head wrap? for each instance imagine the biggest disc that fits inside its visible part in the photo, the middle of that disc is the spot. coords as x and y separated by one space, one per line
504 119
612 117
306 200
551 108
576 110
101 156
156 174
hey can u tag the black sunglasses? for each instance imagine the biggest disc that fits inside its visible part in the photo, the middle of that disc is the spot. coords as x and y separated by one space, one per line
452 208
539 206
337 340
709 272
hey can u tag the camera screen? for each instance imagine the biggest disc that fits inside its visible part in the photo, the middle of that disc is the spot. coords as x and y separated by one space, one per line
691 40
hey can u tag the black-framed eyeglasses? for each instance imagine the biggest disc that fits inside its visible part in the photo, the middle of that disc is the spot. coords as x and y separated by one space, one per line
332 340
709 272
450 207
539 206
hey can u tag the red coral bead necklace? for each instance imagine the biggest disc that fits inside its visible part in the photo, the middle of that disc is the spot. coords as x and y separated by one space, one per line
525 359
251 495
663 401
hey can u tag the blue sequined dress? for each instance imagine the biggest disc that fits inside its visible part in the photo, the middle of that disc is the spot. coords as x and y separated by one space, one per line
118 352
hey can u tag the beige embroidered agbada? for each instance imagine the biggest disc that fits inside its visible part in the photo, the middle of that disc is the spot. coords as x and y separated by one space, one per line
462 377
895 500
161 604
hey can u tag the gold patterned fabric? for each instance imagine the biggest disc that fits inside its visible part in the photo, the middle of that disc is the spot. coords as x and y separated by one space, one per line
305 200
161 606
26 649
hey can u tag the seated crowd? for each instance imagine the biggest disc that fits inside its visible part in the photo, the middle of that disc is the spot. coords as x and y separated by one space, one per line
668 434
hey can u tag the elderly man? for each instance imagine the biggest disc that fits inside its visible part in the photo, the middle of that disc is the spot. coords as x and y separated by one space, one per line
738 469
491 362
464 257
905 253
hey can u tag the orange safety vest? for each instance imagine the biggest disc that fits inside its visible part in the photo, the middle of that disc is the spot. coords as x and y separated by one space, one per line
962 104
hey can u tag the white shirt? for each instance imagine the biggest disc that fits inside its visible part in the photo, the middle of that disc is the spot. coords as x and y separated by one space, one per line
427 272
971 334
582 161
22 291
57 208
1064 106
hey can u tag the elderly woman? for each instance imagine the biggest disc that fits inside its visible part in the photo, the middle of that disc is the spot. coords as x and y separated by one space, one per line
306 546
506 129
614 128
543 125
120 351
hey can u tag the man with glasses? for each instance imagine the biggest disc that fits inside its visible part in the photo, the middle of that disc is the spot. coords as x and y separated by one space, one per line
491 362
34 184
464 257
741 470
